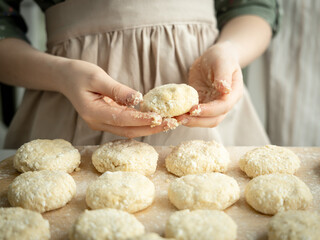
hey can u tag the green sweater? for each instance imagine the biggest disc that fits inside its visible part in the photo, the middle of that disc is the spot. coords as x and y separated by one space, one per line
12 24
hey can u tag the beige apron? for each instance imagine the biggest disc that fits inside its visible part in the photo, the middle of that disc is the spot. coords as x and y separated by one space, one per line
140 43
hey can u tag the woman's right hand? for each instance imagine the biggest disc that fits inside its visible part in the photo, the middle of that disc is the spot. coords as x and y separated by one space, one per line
105 104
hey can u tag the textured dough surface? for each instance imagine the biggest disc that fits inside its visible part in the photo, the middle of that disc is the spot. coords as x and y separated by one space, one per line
23 224
128 191
277 192
215 191
201 225
197 156
44 154
170 100
149 236
105 224
126 155
294 225
41 191
269 159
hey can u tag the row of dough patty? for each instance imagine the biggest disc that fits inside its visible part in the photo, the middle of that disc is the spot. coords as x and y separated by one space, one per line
200 186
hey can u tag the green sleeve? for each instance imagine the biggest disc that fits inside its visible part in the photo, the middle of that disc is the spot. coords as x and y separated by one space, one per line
267 9
12 24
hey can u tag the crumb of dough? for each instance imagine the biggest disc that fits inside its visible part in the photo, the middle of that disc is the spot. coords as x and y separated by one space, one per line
196 112
156 119
135 99
171 123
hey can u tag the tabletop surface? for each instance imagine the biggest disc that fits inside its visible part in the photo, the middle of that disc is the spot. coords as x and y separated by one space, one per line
251 224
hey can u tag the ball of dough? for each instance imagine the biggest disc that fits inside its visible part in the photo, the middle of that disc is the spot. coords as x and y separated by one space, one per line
197 156
149 236
277 192
41 191
43 154
126 155
105 224
294 225
170 100
128 191
201 225
22 224
204 191
269 159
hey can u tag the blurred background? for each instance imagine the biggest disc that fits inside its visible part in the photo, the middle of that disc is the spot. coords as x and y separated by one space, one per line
284 83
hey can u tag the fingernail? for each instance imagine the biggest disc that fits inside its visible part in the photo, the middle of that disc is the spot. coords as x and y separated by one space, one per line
196 111
156 120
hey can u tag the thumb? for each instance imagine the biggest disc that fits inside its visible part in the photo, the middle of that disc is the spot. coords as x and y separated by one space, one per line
222 78
120 93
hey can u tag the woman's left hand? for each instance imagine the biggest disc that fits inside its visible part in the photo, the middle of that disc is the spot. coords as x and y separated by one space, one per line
217 77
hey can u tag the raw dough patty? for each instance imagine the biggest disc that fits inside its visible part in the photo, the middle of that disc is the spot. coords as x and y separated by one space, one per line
41 191
149 236
197 156
43 154
294 225
126 155
277 192
105 224
201 225
204 191
128 191
269 159
170 100
23 224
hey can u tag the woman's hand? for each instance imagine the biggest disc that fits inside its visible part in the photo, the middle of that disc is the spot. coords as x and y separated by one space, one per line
217 77
105 104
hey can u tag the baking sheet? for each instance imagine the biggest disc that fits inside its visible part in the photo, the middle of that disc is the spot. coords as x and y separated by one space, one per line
251 224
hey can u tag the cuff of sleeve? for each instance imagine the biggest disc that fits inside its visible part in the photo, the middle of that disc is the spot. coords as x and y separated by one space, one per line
271 16
9 30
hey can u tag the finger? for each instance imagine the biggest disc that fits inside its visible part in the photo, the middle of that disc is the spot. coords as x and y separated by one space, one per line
122 94
222 77
208 122
132 132
106 111
222 105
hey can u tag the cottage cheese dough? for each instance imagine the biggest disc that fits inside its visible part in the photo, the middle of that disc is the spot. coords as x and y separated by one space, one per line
201 225
170 100
149 236
22 224
204 191
41 191
43 154
105 224
126 155
197 156
269 159
128 191
273 193
294 225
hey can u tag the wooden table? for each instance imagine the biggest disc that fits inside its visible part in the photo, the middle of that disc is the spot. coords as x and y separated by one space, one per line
251 224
